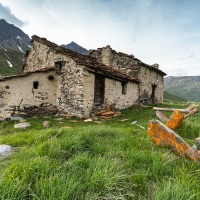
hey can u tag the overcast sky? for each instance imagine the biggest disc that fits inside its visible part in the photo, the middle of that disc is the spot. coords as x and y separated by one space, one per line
166 32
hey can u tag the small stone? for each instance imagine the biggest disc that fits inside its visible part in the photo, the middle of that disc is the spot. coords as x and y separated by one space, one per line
45 124
5 150
134 122
88 120
123 120
22 125
66 127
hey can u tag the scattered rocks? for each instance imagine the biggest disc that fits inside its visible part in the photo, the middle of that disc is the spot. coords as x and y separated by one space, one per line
5 150
22 125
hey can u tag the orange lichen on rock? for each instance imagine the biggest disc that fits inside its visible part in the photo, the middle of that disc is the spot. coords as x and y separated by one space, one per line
175 120
164 136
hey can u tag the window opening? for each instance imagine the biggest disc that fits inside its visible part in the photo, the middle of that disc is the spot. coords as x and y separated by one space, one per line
123 88
58 66
153 94
99 90
35 84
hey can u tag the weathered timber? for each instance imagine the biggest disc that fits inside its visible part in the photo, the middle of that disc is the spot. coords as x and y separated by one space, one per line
175 120
171 109
192 112
164 136
161 116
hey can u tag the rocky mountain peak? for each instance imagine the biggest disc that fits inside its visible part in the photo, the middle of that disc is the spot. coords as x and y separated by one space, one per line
75 47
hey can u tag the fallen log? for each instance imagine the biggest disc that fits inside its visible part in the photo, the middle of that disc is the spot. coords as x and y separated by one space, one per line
164 136
171 109
175 120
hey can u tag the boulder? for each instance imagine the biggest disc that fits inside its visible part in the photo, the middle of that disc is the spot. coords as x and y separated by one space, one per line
5 150
164 136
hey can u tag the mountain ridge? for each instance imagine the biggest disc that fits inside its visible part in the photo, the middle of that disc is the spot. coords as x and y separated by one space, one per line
76 47
186 87
13 45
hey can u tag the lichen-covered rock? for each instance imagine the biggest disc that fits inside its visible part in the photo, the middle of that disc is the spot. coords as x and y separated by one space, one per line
164 136
175 120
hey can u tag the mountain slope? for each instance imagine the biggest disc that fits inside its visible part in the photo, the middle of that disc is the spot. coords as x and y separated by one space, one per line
186 87
13 45
75 47
13 38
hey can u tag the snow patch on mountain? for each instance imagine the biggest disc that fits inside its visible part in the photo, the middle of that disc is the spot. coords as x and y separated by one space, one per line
9 63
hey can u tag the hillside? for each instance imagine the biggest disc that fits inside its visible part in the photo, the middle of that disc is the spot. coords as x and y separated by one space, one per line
10 61
186 87
13 45
111 159
171 97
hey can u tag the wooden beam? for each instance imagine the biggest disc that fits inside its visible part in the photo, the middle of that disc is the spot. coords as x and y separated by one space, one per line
171 109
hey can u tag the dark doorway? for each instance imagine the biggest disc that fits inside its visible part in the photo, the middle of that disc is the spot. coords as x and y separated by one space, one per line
153 94
99 90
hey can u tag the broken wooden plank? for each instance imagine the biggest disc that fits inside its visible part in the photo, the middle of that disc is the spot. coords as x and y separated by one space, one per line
192 112
161 116
108 108
110 113
190 107
171 109
175 120
164 136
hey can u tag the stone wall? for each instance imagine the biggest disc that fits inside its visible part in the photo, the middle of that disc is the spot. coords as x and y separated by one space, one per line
88 91
19 97
113 93
40 56
70 80
149 79
148 75
71 89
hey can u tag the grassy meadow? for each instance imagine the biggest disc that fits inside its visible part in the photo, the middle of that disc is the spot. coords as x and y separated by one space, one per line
112 160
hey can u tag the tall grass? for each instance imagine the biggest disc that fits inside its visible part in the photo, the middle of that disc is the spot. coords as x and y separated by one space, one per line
112 160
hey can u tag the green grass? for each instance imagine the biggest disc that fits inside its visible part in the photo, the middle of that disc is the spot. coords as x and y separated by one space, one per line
111 160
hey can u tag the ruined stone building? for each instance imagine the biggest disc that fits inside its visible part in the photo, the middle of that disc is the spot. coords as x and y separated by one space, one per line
58 80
